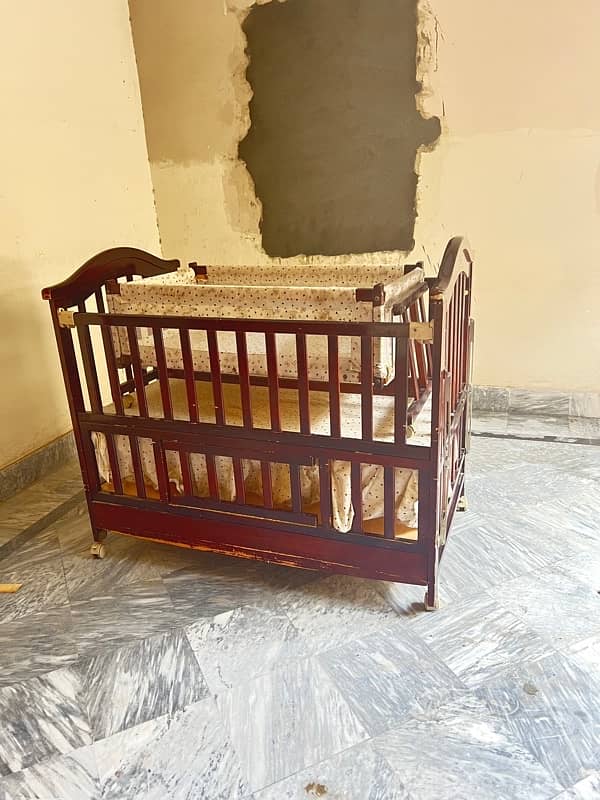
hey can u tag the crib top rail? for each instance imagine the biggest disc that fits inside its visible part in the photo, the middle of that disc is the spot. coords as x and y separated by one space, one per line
118 262
418 331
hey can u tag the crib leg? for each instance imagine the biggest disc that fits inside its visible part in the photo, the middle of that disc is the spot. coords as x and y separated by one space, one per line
431 600
98 550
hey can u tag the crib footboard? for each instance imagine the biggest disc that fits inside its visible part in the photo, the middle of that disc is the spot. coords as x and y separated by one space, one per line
286 471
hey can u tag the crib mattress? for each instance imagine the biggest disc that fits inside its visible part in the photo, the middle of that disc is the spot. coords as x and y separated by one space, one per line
406 500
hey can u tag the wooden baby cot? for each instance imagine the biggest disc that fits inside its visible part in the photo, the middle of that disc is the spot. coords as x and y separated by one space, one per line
431 334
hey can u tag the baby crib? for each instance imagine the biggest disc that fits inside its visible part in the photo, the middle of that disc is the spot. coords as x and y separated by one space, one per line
311 417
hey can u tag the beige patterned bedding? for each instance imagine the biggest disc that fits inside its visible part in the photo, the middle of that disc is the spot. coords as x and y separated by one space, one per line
177 294
342 511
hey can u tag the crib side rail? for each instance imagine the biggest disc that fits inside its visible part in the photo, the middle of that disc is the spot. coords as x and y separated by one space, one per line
183 438
450 312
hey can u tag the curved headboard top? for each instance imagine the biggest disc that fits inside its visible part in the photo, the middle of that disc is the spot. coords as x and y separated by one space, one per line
108 265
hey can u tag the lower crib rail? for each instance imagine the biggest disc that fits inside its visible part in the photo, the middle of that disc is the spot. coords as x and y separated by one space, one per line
317 551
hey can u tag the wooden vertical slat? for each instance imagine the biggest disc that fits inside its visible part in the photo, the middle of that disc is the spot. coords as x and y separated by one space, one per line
356 494
422 317
163 377
238 478
99 301
113 460
273 375
414 382
419 349
366 388
389 502
138 374
401 390
296 488
325 493
211 471
333 365
162 475
138 472
303 387
111 365
89 368
455 323
244 375
215 374
188 371
186 473
267 483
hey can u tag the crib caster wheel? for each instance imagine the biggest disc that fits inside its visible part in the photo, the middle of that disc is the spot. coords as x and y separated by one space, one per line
462 504
98 550
434 607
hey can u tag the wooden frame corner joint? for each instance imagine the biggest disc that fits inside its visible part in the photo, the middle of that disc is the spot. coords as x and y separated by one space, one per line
66 318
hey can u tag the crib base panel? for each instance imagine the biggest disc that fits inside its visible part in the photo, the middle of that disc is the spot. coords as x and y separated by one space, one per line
262 544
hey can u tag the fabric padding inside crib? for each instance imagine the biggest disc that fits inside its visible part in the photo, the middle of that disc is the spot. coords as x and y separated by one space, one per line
406 480
177 294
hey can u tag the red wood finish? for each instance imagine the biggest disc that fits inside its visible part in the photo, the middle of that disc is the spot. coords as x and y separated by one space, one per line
246 526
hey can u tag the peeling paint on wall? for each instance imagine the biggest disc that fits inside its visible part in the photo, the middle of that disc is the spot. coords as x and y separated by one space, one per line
335 127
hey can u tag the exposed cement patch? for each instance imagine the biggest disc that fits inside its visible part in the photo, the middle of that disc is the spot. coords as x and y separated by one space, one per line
335 129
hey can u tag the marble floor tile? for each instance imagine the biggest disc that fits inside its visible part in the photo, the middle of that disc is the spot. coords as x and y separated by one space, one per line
40 499
477 639
585 404
526 402
41 718
356 774
127 563
36 644
477 559
585 427
584 568
552 604
70 777
42 588
119 618
239 645
333 610
134 684
538 426
586 654
462 752
551 706
286 720
490 398
181 757
222 584
388 676
489 422
586 789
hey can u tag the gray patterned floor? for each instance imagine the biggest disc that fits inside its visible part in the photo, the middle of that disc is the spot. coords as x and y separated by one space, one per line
162 673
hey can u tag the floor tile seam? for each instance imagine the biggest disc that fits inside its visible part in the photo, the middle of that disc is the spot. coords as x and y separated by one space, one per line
585 441
524 744
25 535
510 736
316 764
296 659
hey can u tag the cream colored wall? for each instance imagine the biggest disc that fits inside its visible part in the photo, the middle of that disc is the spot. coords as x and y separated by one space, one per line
517 168
74 180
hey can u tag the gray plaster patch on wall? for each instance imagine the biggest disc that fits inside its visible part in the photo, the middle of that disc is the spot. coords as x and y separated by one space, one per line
335 129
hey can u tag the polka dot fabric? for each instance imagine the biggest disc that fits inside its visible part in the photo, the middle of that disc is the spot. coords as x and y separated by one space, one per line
406 499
